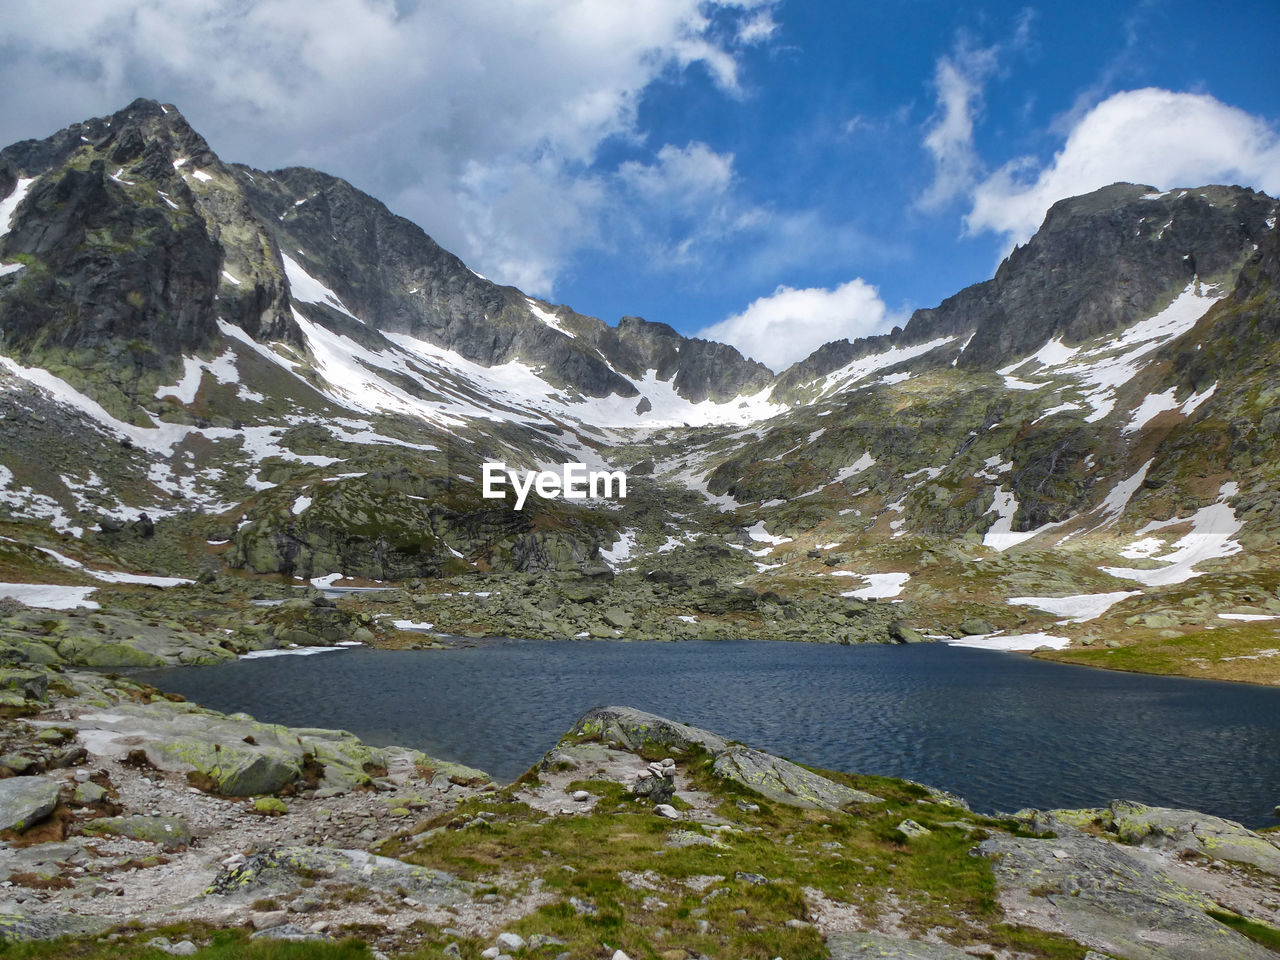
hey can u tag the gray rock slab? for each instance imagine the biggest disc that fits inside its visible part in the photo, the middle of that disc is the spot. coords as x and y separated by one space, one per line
785 782
1094 892
25 801
863 946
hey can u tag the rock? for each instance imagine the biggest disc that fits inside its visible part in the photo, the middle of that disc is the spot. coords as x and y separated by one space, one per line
635 730
581 796
16 763
510 942
655 787
492 953
1105 898
1165 828
19 686
786 782
25 801
976 626
668 811
229 755
902 632
911 829
267 919
89 793
18 927
856 946
281 870
169 832
620 955
618 618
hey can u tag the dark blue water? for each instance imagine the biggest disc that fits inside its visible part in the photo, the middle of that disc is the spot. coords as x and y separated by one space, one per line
1002 730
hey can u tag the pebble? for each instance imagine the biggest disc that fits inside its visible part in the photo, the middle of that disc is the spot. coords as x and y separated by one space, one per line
668 811
582 796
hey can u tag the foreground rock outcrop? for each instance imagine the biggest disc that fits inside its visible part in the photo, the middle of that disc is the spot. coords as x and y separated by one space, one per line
634 833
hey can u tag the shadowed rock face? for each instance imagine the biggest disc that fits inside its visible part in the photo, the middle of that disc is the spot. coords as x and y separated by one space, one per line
1098 262
138 256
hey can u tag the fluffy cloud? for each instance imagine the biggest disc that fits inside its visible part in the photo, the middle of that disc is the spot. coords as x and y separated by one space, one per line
1149 136
481 120
959 81
790 324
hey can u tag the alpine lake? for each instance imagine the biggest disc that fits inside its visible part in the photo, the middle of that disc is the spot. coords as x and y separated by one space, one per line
1003 730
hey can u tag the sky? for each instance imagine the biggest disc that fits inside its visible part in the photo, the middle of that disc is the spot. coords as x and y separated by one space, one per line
771 173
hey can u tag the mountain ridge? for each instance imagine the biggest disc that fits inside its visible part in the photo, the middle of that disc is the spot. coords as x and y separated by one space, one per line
289 380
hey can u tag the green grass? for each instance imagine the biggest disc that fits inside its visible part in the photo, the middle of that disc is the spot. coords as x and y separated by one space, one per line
1255 930
628 880
223 945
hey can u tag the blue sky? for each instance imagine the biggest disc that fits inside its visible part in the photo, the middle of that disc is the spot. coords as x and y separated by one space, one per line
776 174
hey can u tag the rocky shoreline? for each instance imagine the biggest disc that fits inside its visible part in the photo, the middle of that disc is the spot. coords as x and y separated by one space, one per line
131 817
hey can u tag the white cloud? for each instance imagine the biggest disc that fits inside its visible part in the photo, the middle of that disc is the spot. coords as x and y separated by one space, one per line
481 120
790 324
959 81
1150 136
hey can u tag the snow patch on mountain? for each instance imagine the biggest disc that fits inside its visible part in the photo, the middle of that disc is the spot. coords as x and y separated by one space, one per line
1211 537
307 289
1080 607
848 375
9 205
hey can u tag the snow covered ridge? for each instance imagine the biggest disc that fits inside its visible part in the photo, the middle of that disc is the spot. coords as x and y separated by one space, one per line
1100 369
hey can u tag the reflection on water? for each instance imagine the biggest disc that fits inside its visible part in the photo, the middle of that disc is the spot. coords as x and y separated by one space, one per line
1002 730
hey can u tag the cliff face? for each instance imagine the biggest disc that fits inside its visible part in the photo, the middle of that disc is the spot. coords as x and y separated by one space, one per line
1098 263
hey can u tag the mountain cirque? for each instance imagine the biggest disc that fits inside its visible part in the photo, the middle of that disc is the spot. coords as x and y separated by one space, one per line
219 383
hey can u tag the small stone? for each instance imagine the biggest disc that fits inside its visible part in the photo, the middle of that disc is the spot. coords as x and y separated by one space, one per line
452 950
746 807
620 955
89 793
183 948
491 954
582 796
797 924
668 811
911 829
510 941
268 919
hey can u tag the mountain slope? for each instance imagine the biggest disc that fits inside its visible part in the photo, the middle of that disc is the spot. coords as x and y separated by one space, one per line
286 378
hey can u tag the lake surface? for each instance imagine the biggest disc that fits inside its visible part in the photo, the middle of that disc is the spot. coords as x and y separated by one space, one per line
1002 730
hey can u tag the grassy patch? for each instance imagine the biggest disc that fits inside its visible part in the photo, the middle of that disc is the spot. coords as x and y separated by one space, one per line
1212 653
222 945
1255 930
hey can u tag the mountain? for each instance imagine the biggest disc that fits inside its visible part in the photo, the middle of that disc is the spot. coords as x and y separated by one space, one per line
210 371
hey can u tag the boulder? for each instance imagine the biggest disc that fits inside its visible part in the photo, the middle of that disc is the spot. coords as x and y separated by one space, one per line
1105 898
785 782
856 946
1186 831
283 869
21 685
170 832
25 801
636 730
235 755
